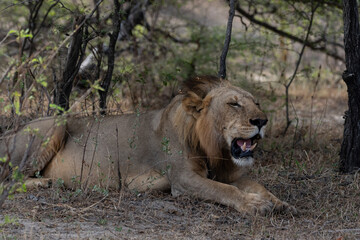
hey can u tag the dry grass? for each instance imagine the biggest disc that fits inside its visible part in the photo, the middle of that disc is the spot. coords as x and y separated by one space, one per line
328 202
300 168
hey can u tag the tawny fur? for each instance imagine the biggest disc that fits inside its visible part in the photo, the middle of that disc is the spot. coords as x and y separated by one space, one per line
184 147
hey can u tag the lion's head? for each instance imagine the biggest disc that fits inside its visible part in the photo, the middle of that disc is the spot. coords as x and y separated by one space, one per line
221 120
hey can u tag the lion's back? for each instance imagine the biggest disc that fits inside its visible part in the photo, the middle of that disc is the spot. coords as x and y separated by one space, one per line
102 150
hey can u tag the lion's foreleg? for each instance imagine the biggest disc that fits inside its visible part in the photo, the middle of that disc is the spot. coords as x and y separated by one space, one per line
253 187
194 184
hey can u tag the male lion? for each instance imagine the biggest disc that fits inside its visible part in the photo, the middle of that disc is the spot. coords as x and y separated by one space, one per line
201 144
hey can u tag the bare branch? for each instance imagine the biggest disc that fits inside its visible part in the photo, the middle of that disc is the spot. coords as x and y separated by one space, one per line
45 17
171 37
222 71
134 16
9 185
311 44
15 4
6 73
287 86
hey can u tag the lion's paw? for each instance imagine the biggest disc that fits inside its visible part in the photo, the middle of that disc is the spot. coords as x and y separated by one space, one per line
284 207
256 204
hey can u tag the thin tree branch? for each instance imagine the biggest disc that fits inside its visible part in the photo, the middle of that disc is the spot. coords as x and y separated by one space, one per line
287 86
331 3
52 56
15 4
6 73
312 45
171 37
222 71
45 17
9 185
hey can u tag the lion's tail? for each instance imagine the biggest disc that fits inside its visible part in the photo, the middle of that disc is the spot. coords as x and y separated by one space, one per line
31 152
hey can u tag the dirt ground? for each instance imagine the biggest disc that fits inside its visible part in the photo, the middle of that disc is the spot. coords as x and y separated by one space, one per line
300 168
328 202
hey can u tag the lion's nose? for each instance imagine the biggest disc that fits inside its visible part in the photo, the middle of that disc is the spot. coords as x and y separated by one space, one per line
258 122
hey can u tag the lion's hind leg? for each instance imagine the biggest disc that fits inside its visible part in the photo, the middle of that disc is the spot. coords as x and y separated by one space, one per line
31 150
149 181
35 183
52 143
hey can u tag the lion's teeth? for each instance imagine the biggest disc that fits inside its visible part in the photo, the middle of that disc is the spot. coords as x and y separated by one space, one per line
253 147
243 147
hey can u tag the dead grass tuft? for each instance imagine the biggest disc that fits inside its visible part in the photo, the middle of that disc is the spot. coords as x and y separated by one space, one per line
300 168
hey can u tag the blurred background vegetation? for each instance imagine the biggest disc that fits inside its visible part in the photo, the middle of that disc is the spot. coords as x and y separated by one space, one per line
48 47
68 55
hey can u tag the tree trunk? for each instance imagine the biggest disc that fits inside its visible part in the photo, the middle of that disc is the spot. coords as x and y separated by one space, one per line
64 87
111 57
350 148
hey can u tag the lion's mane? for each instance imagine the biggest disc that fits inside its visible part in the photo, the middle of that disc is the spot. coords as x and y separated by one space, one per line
201 135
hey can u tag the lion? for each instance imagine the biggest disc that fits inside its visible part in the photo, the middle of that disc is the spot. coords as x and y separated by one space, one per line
201 145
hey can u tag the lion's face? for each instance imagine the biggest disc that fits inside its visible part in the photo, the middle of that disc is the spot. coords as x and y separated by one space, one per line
226 119
229 118
241 121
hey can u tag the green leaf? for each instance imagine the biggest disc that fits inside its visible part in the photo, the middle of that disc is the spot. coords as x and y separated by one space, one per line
13 31
16 96
22 188
139 31
25 34
3 159
96 86
56 107
42 81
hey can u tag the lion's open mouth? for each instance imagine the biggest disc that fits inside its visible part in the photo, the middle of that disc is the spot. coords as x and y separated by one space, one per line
241 148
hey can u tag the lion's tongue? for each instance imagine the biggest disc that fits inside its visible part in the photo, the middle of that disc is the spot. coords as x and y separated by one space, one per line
241 142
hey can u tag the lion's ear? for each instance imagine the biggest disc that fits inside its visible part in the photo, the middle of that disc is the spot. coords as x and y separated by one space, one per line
193 104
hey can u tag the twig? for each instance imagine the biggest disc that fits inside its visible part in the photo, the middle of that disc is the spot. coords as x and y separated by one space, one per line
6 73
44 19
171 37
93 154
92 205
26 154
68 38
51 58
3 40
312 103
15 4
121 181
343 230
222 71
6 191
84 152
312 44
79 100
287 86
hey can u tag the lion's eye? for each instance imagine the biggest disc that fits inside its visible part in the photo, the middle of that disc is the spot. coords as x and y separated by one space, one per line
257 104
234 104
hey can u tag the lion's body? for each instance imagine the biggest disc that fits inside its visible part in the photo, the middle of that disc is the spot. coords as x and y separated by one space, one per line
103 151
184 147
